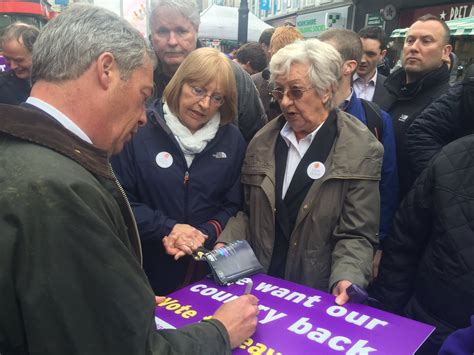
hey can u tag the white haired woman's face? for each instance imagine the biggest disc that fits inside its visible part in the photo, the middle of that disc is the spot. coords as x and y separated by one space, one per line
301 105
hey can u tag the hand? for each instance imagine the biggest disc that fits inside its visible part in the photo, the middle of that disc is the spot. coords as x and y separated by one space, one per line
239 318
340 292
218 245
183 239
159 299
376 264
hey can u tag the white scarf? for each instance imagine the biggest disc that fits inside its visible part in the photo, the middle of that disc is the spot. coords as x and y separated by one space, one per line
191 144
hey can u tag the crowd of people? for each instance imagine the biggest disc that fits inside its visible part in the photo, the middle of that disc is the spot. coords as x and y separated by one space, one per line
121 157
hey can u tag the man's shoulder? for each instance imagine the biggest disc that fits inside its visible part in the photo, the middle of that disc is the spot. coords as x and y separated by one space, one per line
242 78
8 79
36 158
352 132
23 126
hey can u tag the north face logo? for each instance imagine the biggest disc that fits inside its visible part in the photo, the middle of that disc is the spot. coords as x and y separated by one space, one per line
220 155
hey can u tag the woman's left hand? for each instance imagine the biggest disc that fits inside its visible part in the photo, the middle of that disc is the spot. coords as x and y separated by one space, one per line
340 292
183 242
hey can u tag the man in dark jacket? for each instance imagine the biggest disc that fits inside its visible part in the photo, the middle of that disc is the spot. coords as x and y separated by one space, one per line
423 77
445 120
174 27
427 269
17 43
368 81
71 280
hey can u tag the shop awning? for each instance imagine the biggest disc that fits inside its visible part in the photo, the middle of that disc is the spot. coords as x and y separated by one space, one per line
459 27
221 22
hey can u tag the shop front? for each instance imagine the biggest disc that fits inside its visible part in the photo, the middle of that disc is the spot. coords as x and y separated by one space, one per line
446 12
313 23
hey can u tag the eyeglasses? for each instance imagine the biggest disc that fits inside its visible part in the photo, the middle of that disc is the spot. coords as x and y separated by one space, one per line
293 94
201 93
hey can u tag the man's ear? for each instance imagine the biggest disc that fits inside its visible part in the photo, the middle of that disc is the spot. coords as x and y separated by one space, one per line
446 52
106 69
349 67
383 54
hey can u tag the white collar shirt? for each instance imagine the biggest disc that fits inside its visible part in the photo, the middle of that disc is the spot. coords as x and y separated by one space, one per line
65 121
364 90
296 151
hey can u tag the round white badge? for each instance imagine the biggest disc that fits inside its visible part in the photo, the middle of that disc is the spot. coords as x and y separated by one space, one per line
164 159
316 170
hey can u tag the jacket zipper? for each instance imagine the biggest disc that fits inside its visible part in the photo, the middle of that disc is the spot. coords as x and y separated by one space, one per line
130 212
186 192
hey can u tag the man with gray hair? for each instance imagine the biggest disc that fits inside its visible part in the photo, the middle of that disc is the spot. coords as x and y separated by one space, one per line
174 25
70 258
17 43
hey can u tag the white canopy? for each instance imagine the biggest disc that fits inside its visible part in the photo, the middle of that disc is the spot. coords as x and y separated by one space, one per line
221 22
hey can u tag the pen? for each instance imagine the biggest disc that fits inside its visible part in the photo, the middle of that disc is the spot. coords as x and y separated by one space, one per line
248 287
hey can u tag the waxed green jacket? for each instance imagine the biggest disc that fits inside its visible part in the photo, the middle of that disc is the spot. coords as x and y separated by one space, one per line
71 280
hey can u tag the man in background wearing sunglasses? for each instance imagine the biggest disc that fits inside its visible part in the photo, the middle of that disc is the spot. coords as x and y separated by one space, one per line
349 45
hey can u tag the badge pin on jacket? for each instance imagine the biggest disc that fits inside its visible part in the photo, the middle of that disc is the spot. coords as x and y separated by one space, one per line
164 160
316 170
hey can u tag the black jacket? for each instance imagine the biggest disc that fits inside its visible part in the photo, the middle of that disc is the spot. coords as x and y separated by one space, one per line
404 103
205 195
13 91
427 269
380 90
447 119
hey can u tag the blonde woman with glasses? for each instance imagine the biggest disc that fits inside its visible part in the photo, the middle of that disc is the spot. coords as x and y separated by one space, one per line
181 172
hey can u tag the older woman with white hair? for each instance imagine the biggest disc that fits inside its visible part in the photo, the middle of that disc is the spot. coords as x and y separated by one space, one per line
311 179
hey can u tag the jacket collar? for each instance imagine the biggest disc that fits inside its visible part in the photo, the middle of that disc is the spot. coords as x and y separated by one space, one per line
343 158
33 125
396 82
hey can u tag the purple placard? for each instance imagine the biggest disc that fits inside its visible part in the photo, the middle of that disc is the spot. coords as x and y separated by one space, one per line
3 64
296 319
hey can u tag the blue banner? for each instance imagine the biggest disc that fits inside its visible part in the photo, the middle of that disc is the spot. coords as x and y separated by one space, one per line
265 5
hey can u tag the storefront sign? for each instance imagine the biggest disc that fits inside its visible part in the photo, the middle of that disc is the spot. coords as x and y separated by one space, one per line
444 12
374 19
312 24
295 319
